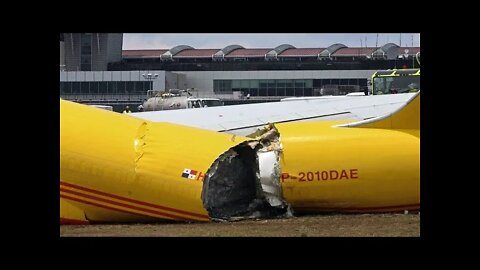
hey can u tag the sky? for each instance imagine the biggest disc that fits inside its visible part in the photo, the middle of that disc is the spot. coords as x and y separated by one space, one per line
258 40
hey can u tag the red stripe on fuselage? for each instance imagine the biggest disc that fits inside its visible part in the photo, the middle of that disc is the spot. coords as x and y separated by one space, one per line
134 201
384 208
123 204
69 221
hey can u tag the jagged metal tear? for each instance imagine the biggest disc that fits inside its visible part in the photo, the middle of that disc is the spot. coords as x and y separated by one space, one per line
244 182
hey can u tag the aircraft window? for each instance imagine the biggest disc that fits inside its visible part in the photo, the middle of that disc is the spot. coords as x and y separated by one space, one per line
398 84
404 84
379 86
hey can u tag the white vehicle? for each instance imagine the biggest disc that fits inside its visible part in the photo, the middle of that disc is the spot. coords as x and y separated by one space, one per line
203 102
176 99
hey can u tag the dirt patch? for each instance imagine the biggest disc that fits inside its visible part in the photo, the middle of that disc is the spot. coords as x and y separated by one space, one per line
303 226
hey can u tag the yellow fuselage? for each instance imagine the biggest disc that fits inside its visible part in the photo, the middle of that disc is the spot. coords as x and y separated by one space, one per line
349 169
117 168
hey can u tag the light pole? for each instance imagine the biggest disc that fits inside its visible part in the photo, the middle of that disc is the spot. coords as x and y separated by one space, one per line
406 56
150 77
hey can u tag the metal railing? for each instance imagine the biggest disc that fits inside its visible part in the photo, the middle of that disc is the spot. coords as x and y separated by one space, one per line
106 97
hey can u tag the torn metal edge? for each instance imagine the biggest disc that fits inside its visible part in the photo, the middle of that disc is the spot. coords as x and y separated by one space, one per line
268 200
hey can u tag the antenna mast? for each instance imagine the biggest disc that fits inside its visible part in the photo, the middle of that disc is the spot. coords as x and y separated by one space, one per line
361 44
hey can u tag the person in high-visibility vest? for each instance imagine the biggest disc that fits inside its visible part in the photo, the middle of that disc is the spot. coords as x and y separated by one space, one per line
127 110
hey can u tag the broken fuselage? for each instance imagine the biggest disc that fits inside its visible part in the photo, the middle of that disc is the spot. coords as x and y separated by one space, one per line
117 168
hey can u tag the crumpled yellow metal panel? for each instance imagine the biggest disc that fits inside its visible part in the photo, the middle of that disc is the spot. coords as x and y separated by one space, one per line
119 168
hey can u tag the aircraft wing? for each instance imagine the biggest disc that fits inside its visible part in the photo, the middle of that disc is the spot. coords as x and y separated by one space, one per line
247 118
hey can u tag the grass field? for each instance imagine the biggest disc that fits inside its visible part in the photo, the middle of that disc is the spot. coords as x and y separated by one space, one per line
303 226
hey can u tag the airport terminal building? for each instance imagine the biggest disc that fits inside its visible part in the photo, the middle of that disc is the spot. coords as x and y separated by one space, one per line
101 72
